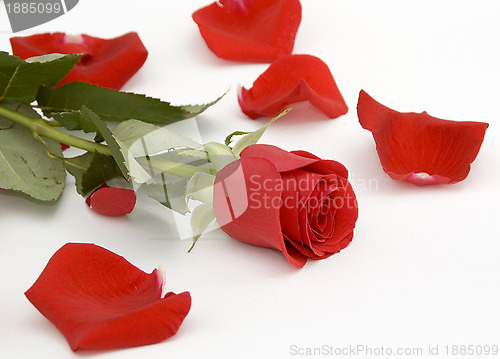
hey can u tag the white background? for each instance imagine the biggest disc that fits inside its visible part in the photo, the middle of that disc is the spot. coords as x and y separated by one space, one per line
423 268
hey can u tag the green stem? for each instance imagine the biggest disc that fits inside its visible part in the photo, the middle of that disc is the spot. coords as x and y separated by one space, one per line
53 123
42 128
172 168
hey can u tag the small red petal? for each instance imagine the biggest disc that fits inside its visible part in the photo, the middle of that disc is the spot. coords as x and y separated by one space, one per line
110 201
106 62
98 300
64 146
419 148
250 30
291 79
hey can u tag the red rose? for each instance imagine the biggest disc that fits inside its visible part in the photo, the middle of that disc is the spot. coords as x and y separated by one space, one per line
291 201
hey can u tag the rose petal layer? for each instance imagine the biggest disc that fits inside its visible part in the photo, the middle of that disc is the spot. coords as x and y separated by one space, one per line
291 79
250 30
106 62
246 208
98 300
419 148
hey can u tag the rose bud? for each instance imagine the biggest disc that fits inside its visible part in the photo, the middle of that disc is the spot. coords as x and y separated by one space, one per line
293 201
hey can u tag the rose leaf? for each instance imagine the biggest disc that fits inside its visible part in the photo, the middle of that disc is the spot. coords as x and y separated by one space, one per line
25 163
91 170
253 137
94 120
64 103
20 80
201 217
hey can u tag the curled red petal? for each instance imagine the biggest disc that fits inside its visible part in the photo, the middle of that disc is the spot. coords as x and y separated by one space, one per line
106 62
98 300
281 159
110 201
247 196
419 148
250 30
291 79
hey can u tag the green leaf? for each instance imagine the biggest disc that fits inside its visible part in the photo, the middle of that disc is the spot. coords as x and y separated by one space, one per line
144 145
91 170
20 80
253 137
157 139
229 137
25 163
219 155
47 58
160 162
201 217
168 167
168 191
64 104
95 122
197 109
201 188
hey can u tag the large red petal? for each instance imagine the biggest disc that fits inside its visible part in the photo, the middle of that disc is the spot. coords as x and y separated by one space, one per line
111 201
247 201
250 30
419 148
291 79
98 300
106 62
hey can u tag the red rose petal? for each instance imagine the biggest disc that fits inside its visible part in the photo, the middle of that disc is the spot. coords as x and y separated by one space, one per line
281 159
98 300
329 249
106 62
323 166
419 148
291 79
263 183
250 30
110 201
297 188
